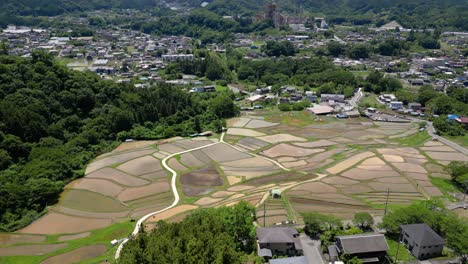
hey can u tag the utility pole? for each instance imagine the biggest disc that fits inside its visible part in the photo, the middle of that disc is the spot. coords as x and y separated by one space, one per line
264 212
398 247
386 202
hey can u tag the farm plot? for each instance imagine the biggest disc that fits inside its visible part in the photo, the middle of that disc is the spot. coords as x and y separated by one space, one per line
279 138
201 181
346 164
144 191
77 255
55 223
224 153
134 145
140 166
271 212
117 176
30 250
289 151
315 144
102 186
189 160
7 239
117 158
251 143
90 202
244 132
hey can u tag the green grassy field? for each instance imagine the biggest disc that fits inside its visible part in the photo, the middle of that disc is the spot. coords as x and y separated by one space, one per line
403 253
415 140
101 236
293 118
371 101
461 140
446 186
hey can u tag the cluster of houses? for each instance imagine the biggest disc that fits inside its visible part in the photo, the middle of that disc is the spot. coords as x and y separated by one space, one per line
419 239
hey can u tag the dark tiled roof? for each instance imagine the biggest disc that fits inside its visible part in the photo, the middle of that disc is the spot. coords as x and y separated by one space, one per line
363 243
276 234
422 234
292 260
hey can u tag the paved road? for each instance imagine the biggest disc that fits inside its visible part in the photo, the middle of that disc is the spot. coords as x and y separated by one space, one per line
356 98
311 249
431 131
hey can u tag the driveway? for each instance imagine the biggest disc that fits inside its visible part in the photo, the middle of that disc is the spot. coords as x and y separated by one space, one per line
311 249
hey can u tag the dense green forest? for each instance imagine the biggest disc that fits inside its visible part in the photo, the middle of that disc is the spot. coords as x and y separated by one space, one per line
222 235
54 120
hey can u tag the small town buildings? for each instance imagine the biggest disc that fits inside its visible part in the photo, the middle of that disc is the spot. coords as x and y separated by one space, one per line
370 248
278 241
414 106
339 98
291 260
177 57
321 110
396 105
422 241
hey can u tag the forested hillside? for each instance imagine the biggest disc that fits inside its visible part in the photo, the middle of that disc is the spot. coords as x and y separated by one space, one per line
54 120
222 235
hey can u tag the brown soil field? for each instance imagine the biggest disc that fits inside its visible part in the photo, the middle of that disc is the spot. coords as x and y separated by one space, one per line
441 175
447 156
54 223
30 250
425 183
244 132
249 162
401 152
207 176
360 174
159 155
393 158
316 187
393 180
102 186
433 143
190 144
294 164
156 176
134 144
178 218
238 122
339 180
282 177
140 166
373 161
193 191
410 167
170 148
7 239
260 124
271 212
375 167
140 192
175 165
117 176
189 160
393 187
73 237
271 220
418 176
234 179
90 201
250 174
252 143
316 144
85 214
148 209
118 158
77 255
240 188
415 161
286 159
290 151
357 188
438 148
278 138
222 194
344 165
224 153
172 212
325 155
207 201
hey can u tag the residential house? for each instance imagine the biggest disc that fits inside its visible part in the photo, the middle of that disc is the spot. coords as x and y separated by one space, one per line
339 98
396 105
414 106
291 260
278 241
422 241
369 248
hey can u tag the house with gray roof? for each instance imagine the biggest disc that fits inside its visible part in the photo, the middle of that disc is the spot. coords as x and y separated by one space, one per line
278 241
422 241
369 248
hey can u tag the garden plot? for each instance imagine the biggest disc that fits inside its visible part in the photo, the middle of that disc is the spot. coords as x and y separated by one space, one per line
244 132
275 212
117 158
134 145
252 143
189 160
254 123
102 186
117 176
315 144
55 223
91 202
289 151
144 191
77 255
278 138
11 239
201 181
30 250
341 209
140 166
224 153
346 164
73 237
